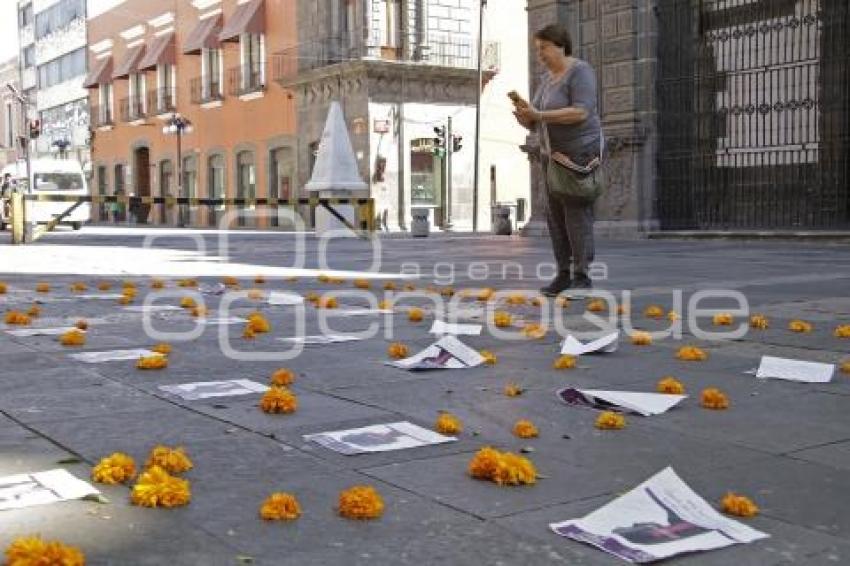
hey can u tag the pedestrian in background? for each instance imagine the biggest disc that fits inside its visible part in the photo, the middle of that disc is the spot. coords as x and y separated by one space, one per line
564 113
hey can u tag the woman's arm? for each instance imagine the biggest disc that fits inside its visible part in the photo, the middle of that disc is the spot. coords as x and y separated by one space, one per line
568 116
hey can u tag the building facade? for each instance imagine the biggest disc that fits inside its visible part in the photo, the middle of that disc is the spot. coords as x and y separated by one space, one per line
719 115
400 69
52 39
11 118
206 61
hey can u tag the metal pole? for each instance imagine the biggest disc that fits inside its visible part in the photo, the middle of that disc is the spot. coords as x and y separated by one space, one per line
449 153
179 173
478 116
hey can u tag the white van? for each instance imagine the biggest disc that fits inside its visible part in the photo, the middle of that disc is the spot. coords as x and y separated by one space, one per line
51 177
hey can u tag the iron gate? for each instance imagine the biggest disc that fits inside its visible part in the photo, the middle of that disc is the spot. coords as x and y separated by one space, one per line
753 114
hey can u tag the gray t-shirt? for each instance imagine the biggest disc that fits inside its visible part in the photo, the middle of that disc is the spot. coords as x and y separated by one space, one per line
579 142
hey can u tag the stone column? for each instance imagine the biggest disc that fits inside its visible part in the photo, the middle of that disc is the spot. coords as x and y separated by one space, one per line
618 38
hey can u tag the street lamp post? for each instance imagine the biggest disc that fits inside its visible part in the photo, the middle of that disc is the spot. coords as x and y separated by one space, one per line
480 79
179 125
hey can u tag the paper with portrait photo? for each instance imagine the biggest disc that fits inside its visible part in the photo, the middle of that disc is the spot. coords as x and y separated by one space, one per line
446 353
646 404
604 345
210 389
378 438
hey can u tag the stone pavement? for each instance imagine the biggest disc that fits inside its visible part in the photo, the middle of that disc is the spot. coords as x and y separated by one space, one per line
786 445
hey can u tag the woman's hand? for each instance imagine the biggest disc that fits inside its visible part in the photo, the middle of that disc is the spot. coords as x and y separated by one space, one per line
526 115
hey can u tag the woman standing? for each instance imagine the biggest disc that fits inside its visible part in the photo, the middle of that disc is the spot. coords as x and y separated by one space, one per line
564 112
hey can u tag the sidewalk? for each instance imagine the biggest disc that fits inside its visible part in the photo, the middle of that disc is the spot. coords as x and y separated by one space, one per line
784 444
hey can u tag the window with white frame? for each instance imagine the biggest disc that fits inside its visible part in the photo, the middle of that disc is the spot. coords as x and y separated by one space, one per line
137 95
105 104
166 95
389 31
253 62
211 70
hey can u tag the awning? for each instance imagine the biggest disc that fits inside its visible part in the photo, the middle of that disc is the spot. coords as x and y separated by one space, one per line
130 64
249 17
161 52
204 36
100 74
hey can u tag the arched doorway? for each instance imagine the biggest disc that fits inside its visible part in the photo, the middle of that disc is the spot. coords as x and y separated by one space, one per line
142 182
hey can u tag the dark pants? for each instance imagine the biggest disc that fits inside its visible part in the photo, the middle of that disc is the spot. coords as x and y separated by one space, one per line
571 229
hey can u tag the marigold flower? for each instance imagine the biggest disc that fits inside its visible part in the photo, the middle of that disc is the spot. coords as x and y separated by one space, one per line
673 316
845 366
258 323
33 551
162 348
78 287
447 292
385 305
513 390
152 362
73 337
722 319
486 294
187 283
323 278
525 429
283 377
609 420
502 319
713 398
739 505
129 292
172 460
415 314
42 287
256 294
799 326
516 299
157 284
114 469
279 400
489 357
280 507
260 280
328 302
409 287
389 286
622 310
565 361
312 297
127 284
104 286
362 283
447 423
199 311
229 281
692 354
503 468
19 318
125 300
562 302
597 305
534 331
653 311
398 351
157 488
188 303
842 331
670 385
361 502
3 288
34 311
759 322
82 324
641 338
537 301
336 280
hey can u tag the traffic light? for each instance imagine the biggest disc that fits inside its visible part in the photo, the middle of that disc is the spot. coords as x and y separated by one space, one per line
457 143
35 128
440 141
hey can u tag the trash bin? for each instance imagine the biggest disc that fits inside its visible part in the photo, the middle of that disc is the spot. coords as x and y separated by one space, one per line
420 227
501 220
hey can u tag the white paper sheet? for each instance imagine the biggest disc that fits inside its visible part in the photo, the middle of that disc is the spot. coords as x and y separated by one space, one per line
606 344
439 327
320 339
660 518
210 389
40 488
646 404
283 298
378 438
446 353
152 308
794 370
26 332
112 355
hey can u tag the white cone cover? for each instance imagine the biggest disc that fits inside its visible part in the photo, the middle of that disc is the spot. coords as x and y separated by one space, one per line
336 166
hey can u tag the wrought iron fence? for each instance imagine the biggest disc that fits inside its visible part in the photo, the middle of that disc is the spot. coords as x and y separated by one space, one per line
162 100
246 79
101 115
754 114
205 89
132 109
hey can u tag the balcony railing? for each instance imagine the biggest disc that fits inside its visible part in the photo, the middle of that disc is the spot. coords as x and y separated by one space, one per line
162 101
440 51
102 116
205 89
132 109
246 79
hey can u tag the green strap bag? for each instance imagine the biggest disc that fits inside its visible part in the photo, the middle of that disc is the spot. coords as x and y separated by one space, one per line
584 184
